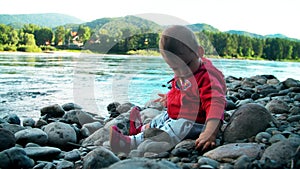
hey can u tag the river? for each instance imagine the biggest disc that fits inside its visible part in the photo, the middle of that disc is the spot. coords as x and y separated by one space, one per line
29 82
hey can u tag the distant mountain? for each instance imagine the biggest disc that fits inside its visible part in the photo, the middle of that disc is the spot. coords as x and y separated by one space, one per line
132 22
44 19
244 33
253 35
202 26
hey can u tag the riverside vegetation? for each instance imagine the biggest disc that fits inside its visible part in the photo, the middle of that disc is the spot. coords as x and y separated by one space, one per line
133 35
261 130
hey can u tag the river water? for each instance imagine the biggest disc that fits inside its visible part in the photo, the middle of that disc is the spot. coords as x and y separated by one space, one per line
29 82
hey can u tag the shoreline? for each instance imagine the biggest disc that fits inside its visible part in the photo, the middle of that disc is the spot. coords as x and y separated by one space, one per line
66 52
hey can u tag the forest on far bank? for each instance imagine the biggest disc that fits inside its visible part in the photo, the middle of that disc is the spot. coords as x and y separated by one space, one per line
128 34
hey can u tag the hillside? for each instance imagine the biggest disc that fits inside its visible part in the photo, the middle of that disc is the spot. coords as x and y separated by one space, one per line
202 26
44 19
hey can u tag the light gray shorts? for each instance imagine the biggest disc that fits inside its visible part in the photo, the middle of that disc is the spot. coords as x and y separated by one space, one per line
178 129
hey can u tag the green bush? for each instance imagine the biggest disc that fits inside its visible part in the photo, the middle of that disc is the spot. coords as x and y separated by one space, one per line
25 48
10 48
48 48
1 48
144 52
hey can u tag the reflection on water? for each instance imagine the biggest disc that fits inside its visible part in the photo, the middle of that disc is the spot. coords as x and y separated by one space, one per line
29 82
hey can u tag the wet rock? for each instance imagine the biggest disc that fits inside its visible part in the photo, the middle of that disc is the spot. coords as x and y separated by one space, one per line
124 108
7 139
73 155
149 114
289 82
64 164
12 119
243 162
154 146
208 161
277 107
53 111
28 122
71 106
97 138
241 123
91 127
40 122
262 137
230 152
265 90
99 158
59 134
143 163
293 118
276 138
122 122
79 117
281 152
33 135
14 158
12 127
42 153
112 109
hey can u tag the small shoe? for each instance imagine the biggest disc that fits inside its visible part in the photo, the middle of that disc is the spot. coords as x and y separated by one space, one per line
118 141
135 124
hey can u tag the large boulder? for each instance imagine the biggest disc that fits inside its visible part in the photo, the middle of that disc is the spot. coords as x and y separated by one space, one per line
7 139
99 158
60 134
282 152
246 122
31 135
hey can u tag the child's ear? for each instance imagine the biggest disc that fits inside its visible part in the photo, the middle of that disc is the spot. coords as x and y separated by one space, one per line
201 51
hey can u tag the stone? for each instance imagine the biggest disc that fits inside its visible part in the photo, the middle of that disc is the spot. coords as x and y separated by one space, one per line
97 138
99 158
73 155
12 127
143 163
241 123
28 122
53 111
12 119
71 106
232 151
33 135
277 107
281 152
290 82
7 139
15 158
64 164
59 134
124 108
42 153
92 127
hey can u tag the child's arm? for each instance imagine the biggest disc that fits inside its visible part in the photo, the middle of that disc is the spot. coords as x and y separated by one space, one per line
162 99
207 139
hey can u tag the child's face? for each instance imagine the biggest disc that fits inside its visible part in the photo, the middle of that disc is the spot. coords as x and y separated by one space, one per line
181 66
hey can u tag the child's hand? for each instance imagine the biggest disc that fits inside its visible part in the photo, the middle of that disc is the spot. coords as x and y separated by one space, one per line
162 99
207 139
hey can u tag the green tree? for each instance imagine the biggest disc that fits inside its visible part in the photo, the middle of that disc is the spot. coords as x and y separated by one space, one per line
4 34
84 33
43 36
60 35
29 39
30 28
13 37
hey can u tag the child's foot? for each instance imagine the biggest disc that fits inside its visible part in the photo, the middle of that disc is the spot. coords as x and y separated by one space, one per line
118 141
135 124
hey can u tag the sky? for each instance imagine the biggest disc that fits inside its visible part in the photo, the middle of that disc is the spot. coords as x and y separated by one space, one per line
256 16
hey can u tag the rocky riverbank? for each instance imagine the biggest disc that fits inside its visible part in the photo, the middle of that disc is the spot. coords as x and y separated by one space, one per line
261 130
